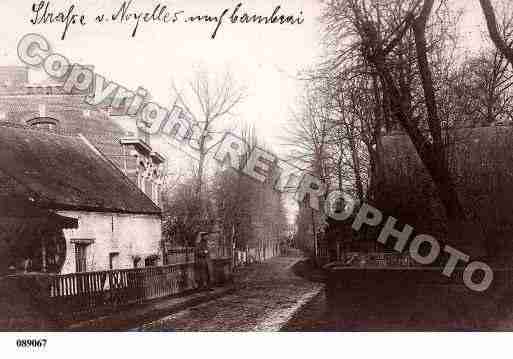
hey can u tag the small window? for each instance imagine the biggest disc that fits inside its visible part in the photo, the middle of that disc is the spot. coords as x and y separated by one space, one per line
113 260
156 194
148 188
141 181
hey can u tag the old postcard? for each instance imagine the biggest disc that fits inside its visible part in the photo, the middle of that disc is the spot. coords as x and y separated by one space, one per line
257 166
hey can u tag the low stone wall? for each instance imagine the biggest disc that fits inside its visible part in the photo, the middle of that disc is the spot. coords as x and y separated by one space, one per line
415 298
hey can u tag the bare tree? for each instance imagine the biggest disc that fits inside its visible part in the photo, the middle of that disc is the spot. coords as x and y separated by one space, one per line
209 101
309 137
183 213
252 213
309 133
485 89
381 32
355 122
492 69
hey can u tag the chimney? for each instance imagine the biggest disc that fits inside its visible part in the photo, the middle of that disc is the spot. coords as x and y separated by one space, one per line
13 77
144 136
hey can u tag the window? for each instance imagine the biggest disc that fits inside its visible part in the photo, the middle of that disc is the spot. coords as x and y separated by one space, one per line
148 188
81 257
155 194
2 115
113 260
155 190
87 113
141 182
140 178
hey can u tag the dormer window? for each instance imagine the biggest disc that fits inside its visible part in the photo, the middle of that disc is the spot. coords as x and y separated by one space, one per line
44 123
140 178
155 196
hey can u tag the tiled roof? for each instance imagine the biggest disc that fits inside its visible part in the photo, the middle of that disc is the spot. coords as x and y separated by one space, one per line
65 172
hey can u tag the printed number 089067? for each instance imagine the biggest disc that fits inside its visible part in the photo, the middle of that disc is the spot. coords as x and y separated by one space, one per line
35 343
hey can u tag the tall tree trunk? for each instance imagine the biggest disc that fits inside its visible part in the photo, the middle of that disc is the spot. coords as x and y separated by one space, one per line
201 169
339 175
437 168
356 166
375 146
436 159
493 29
429 148
200 180
419 30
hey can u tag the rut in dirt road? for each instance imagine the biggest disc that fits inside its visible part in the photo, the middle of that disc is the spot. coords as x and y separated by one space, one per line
267 296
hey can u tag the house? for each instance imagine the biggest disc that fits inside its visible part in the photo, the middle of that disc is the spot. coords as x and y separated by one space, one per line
65 207
45 106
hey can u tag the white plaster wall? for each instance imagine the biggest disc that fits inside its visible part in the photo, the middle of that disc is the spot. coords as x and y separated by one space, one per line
128 234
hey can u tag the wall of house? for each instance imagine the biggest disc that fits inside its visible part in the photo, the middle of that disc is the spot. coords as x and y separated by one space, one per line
129 235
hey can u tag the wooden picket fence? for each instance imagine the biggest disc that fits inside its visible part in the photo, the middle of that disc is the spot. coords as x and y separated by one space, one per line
90 291
87 291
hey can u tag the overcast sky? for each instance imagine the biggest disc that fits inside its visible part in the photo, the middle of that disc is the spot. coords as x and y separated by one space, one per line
265 58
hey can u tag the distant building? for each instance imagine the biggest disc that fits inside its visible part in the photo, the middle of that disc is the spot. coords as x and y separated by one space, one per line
67 208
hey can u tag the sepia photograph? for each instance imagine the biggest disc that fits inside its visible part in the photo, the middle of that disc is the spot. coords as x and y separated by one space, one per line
337 168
